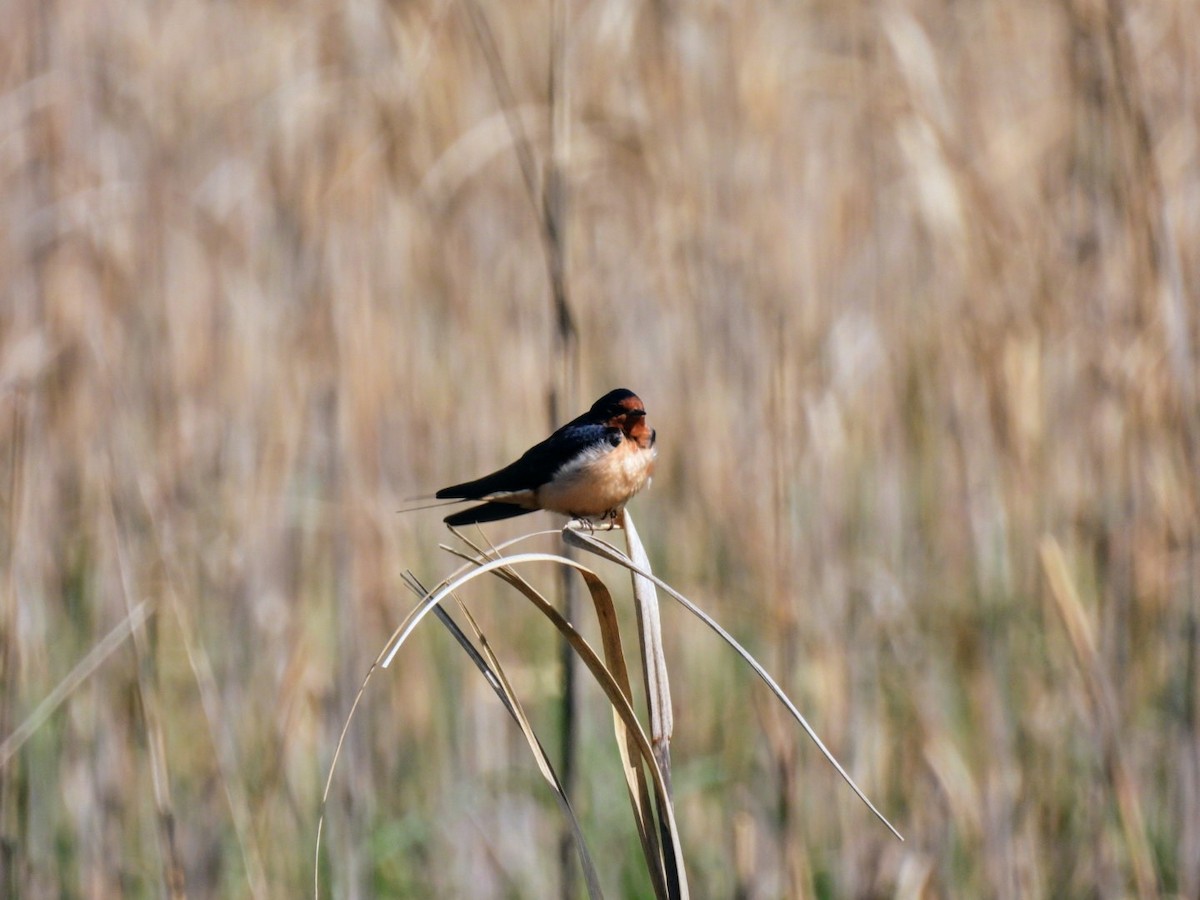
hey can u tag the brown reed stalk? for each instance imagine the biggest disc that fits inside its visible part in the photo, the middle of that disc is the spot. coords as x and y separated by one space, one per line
10 646
1105 720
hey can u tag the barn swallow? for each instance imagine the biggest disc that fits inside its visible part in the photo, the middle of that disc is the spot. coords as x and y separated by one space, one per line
588 469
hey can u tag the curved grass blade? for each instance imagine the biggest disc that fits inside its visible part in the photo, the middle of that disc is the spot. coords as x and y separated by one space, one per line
604 679
608 551
654 662
655 680
493 672
666 870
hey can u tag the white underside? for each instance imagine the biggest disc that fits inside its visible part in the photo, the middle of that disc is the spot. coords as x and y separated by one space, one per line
599 482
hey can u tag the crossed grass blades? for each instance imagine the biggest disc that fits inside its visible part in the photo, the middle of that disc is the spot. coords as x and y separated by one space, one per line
641 754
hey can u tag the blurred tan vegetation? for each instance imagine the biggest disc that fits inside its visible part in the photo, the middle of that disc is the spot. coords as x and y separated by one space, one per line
908 288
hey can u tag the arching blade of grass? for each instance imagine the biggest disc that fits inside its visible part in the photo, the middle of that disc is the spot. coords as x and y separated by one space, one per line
494 675
654 661
661 867
632 735
487 663
607 551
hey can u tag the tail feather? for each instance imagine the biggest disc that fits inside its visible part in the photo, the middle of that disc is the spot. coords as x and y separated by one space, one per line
480 487
487 512
464 491
522 475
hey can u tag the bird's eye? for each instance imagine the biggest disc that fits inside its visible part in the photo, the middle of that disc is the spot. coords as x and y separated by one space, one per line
614 436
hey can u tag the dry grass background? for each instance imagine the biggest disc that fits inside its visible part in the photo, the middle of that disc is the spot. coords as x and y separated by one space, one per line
909 289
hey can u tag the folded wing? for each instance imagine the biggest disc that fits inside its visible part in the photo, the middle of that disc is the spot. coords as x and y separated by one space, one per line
511 490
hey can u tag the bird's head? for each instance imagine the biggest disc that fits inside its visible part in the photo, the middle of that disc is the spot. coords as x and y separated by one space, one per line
623 409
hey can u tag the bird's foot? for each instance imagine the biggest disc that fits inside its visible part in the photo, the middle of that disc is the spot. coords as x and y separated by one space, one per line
582 523
606 521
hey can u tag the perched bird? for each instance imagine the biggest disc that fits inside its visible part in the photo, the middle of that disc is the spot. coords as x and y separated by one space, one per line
588 469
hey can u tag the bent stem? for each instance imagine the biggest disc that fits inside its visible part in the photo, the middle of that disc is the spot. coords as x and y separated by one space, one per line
607 551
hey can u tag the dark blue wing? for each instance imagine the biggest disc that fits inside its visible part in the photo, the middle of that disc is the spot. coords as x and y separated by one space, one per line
538 464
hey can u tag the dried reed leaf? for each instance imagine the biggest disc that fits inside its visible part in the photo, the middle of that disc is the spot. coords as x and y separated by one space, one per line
613 691
654 661
611 553
666 871
492 670
1081 633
